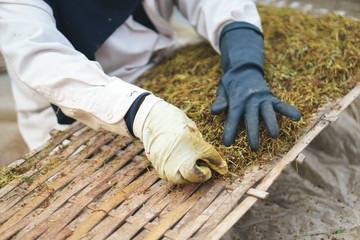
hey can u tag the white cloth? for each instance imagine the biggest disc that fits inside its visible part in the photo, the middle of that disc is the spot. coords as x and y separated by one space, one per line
44 66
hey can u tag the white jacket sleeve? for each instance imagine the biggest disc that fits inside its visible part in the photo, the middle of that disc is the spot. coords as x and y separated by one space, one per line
41 57
208 17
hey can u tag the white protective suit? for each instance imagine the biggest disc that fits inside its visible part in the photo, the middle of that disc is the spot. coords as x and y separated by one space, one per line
44 66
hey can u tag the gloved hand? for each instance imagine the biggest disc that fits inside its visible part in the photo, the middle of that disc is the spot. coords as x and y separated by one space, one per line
242 89
173 144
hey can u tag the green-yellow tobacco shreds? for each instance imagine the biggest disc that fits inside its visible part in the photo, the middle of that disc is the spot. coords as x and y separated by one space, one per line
309 61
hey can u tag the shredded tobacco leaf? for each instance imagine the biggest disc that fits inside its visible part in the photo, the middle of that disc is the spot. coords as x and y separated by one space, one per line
309 61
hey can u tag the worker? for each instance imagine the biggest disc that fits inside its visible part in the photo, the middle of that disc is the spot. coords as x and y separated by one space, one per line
83 55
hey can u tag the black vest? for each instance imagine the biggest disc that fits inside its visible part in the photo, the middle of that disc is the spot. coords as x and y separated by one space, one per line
88 23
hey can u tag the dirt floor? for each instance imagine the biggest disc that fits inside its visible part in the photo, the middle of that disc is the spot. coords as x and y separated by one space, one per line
318 199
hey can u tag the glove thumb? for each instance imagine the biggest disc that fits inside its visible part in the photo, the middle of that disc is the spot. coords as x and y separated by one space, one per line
199 170
220 103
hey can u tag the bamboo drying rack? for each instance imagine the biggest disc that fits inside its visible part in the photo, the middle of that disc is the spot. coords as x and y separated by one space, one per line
103 188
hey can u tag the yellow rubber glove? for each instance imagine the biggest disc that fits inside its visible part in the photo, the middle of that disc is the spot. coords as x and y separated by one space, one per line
173 144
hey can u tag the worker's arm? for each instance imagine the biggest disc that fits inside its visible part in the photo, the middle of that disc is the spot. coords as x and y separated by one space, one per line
242 90
233 27
209 17
42 58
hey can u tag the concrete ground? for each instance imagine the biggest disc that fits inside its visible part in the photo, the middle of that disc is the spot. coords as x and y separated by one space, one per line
11 144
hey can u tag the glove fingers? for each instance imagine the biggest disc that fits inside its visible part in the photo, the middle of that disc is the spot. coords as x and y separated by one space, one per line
211 157
220 104
252 126
232 124
190 171
287 110
194 172
268 114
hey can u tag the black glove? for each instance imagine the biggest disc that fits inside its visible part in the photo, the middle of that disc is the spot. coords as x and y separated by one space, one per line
242 90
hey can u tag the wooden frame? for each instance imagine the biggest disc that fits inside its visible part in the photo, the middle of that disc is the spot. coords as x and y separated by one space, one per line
101 187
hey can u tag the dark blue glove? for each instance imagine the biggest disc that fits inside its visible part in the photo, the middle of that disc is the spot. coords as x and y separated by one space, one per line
242 90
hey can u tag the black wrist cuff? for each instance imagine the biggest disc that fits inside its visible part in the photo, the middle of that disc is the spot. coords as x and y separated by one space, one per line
241 46
239 25
131 113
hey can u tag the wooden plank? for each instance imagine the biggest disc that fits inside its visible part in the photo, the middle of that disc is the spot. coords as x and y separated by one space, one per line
228 204
196 223
71 227
257 193
126 174
63 155
176 214
198 208
40 154
134 167
61 182
130 171
342 104
67 152
80 183
43 161
300 158
179 195
141 235
35 202
128 157
118 216
209 211
150 210
64 216
48 210
105 208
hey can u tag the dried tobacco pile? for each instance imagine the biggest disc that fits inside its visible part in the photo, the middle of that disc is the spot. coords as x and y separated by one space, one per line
309 61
